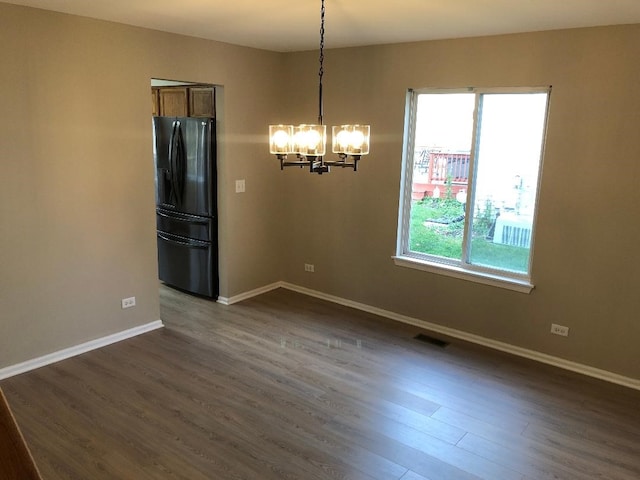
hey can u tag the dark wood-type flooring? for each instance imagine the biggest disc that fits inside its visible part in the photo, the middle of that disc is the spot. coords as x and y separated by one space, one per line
16 462
285 386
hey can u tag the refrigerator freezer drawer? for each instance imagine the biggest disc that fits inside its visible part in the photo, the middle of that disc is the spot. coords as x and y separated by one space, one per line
188 264
184 225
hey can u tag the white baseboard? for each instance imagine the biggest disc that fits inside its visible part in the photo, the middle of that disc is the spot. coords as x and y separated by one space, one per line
77 350
477 339
247 295
451 332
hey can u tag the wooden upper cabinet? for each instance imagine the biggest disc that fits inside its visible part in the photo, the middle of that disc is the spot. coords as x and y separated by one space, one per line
173 102
201 102
155 102
196 101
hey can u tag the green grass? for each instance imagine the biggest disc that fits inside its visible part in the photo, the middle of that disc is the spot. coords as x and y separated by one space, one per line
495 255
445 239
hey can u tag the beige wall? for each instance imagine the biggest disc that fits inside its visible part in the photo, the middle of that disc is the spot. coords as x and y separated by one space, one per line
586 266
77 198
76 203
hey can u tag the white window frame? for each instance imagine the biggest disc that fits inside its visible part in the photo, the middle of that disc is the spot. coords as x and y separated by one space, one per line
451 267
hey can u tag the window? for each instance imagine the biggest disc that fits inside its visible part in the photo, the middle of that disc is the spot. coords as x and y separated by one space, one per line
471 173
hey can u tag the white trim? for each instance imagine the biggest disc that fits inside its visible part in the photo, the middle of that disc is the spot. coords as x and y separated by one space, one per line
469 337
460 268
77 350
477 339
249 294
508 283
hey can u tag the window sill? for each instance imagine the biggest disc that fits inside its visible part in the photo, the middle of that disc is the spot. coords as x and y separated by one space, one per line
522 286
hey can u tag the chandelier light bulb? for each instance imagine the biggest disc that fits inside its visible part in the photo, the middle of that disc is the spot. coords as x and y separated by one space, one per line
343 140
299 143
310 140
281 139
356 139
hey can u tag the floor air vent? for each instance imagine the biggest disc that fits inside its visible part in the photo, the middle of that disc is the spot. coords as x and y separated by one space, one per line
433 341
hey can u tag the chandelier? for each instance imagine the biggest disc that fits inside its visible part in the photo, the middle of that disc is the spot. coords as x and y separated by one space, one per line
308 142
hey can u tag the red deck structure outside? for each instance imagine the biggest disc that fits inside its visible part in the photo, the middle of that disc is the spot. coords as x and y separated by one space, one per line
433 169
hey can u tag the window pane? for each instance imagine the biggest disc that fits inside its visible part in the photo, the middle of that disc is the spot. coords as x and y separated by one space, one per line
508 152
443 133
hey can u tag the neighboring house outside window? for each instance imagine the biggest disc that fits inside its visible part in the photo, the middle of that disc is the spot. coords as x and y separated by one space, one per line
471 173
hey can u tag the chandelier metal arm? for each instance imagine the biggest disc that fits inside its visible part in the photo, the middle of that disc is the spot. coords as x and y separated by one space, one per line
319 164
343 163
315 164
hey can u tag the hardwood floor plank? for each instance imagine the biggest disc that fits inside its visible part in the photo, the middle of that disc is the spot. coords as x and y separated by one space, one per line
601 448
539 457
413 476
522 460
414 459
372 406
433 447
216 420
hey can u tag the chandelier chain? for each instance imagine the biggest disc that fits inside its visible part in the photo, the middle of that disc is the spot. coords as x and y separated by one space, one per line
321 69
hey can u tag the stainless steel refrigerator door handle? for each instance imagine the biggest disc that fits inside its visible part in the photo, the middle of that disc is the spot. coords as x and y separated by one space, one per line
178 159
175 145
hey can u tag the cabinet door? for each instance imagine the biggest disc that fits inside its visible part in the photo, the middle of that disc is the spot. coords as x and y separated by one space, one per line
173 102
202 102
155 103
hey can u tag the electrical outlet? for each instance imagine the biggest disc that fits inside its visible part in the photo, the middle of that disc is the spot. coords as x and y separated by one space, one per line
559 330
240 186
309 268
129 302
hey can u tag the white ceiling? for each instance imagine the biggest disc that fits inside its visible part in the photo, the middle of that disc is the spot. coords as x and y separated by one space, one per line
290 25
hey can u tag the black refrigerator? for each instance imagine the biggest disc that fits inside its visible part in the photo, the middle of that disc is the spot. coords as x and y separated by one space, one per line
184 152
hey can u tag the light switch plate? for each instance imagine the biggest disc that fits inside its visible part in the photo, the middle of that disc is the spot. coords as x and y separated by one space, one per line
240 186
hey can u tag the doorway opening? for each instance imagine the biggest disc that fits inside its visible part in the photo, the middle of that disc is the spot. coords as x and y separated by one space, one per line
185 154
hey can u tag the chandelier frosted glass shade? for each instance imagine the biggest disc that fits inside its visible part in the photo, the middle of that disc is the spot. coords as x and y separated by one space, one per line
350 139
303 140
310 140
280 139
